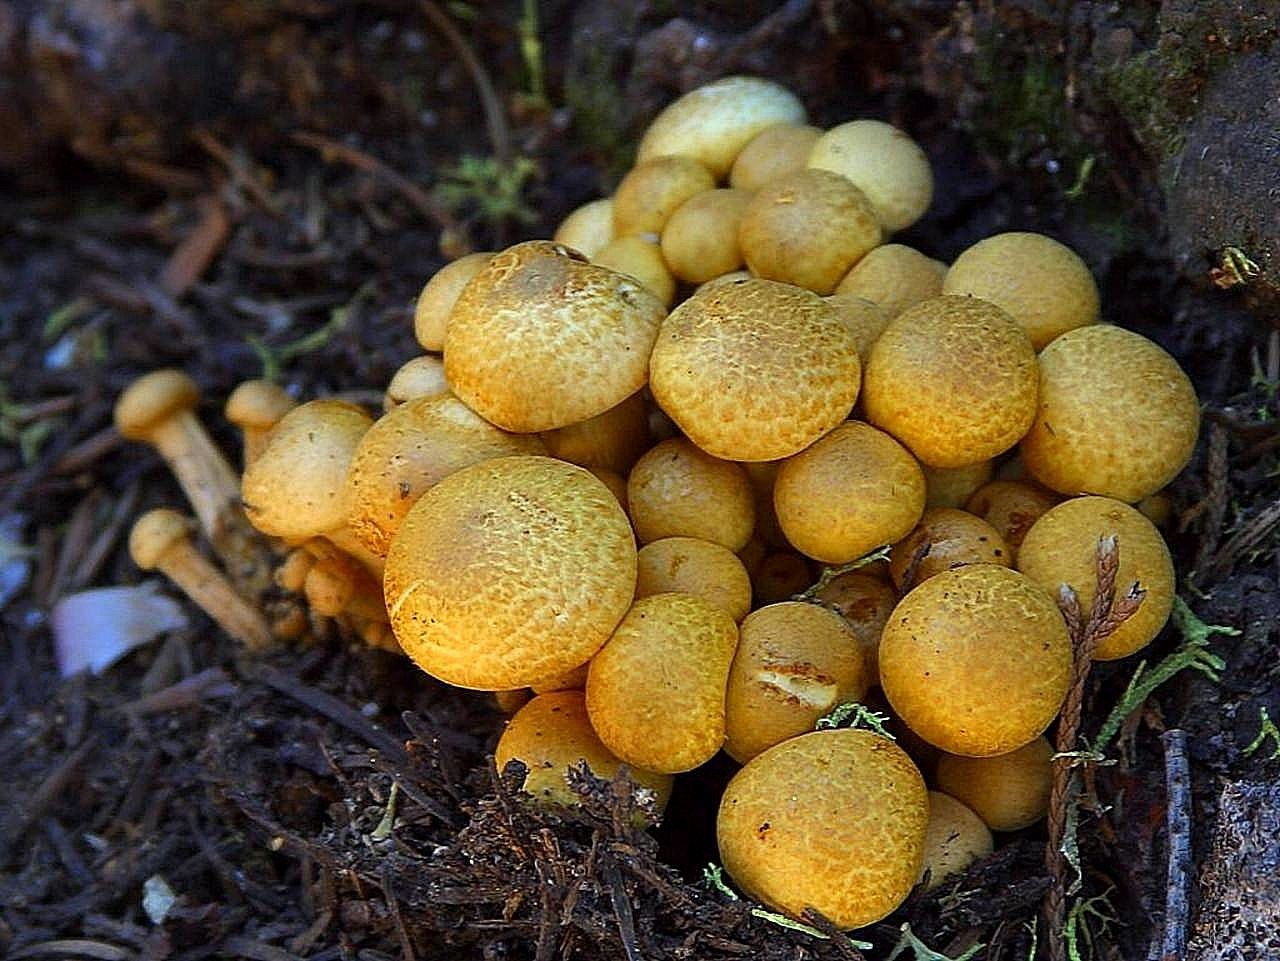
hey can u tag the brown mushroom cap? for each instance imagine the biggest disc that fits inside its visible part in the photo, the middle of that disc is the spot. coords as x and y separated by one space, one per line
409 450
700 240
651 191
1042 284
895 277
885 163
944 539
953 378
865 602
678 490
833 820
1061 548
772 153
655 691
152 399
956 838
1117 415
154 533
755 370
509 572
690 565
431 313
795 662
637 256
807 228
258 405
1011 507
976 660
714 122
297 488
420 377
552 733
541 339
588 228
854 490
1009 791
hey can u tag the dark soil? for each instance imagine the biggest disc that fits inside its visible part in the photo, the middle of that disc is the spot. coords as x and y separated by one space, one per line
228 187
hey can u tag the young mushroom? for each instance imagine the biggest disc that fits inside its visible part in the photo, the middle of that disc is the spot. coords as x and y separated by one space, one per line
255 407
159 409
160 540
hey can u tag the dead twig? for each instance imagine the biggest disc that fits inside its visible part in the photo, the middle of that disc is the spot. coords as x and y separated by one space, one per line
1177 908
54 784
1106 614
198 250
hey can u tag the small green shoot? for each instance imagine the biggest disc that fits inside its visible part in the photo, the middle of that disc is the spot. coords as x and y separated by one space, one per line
1193 654
829 574
853 714
1033 930
1266 730
274 359
922 952
388 820
531 52
713 877
1087 922
61 319
1076 190
494 189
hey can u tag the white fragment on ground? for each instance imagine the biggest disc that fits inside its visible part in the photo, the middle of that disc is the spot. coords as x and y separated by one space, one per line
157 898
93 629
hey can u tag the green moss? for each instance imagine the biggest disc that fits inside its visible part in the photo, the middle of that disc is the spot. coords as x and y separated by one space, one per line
599 112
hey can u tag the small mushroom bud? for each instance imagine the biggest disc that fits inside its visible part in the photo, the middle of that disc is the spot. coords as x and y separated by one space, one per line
337 584
160 540
159 410
255 407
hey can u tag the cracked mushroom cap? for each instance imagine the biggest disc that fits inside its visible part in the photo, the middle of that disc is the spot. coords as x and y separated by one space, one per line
755 370
152 399
541 339
833 820
297 488
510 572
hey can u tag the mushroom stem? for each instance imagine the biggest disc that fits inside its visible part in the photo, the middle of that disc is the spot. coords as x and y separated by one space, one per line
255 407
160 540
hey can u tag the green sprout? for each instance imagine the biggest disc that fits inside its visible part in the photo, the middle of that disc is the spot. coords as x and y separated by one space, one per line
853 714
494 189
1088 921
273 359
713 877
1266 730
920 951
829 574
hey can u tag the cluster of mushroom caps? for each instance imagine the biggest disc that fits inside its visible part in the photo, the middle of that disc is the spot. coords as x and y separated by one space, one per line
618 509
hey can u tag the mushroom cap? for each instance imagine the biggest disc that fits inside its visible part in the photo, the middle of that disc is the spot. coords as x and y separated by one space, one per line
614 440
952 486
678 490
865 602
854 490
1061 549
154 533
852 850
588 228
152 399
1011 507
431 312
258 405
866 320
700 240
1009 791
895 277
1042 284
884 163
1117 415
640 257
690 565
551 734
651 191
795 662
807 228
655 691
772 153
976 660
953 378
509 572
541 339
945 538
410 449
297 488
714 122
955 839
420 377
755 370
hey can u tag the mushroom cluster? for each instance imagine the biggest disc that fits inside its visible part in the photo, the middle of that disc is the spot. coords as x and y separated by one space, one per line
607 487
